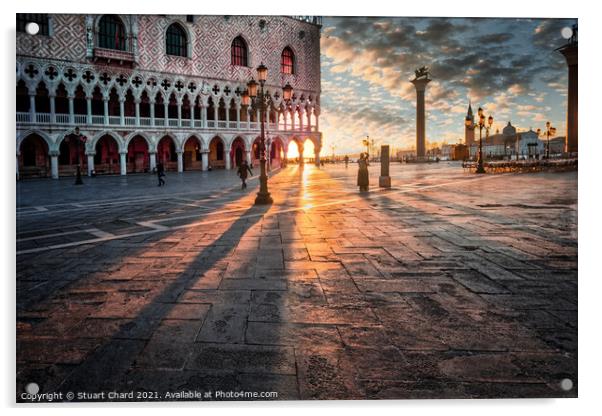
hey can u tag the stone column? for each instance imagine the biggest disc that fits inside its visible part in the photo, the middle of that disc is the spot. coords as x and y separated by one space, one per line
317 155
293 120
179 102
227 159
204 160
71 110
137 102
166 112
152 113
89 110
122 111
420 85
153 161
238 107
301 112
52 109
309 119
215 114
570 53
301 148
204 115
248 155
384 181
284 118
54 164
32 106
123 168
249 117
180 162
192 107
90 163
105 101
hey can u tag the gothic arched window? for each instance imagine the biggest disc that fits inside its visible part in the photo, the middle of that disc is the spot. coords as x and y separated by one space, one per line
111 33
287 61
239 52
176 42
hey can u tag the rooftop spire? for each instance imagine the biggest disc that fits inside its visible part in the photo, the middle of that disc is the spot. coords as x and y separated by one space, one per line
469 113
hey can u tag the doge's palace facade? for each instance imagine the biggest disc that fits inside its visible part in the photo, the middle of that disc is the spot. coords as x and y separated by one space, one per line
149 88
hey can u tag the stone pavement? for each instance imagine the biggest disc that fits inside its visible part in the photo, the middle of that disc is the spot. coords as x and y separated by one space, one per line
449 285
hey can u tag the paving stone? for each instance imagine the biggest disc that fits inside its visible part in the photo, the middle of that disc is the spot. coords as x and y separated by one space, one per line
427 292
243 358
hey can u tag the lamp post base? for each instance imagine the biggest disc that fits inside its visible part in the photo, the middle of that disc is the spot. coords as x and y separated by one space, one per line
480 169
263 199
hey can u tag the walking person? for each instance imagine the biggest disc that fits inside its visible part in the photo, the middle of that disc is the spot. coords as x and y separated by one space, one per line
346 161
362 173
243 171
161 173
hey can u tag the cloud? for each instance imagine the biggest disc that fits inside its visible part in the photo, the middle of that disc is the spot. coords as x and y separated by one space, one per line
499 63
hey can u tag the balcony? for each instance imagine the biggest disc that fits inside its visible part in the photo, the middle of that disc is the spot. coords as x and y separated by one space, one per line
45 120
112 56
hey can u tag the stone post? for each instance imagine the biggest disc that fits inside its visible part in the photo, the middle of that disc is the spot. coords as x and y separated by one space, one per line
384 181
420 84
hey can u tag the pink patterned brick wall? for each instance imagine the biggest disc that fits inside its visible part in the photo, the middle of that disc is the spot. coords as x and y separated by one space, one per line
210 38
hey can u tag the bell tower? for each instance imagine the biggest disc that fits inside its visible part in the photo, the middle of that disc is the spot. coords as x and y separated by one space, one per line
469 127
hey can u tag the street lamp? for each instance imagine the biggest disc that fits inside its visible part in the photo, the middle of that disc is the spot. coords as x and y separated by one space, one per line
79 139
482 125
550 131
259 99
366 142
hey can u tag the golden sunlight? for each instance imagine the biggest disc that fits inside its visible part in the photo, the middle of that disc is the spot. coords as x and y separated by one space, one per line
293 150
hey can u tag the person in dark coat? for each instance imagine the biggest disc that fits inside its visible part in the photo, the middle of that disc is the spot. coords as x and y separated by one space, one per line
161 173
362 173
243 172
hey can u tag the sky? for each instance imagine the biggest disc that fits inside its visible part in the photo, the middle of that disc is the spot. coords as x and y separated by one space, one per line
507 66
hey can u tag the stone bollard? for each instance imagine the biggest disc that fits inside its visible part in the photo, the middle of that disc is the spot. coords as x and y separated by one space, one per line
384 181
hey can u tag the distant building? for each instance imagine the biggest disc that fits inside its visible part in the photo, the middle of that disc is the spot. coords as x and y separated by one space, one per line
557 145
507 143
460 152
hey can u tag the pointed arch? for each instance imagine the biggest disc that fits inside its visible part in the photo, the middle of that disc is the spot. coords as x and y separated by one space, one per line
239 52
176 40
111 32
192 157
287 61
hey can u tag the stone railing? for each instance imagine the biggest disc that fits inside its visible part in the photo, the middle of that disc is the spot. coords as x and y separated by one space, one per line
44 119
